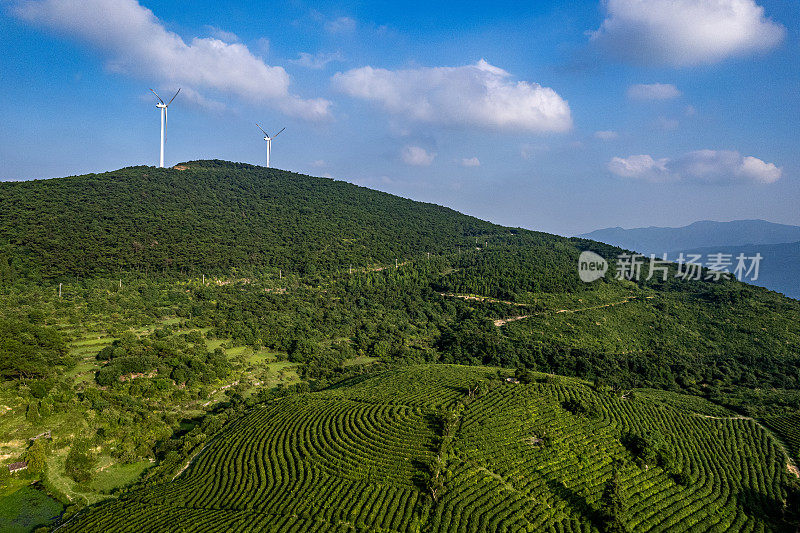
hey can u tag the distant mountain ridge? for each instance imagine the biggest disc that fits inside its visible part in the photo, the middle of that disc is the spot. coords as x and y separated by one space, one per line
778 244
779 269
702 234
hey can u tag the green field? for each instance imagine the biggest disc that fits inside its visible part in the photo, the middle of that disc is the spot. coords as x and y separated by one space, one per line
118 475
413 450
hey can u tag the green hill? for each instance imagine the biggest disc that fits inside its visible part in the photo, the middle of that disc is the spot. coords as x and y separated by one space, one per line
449 448
211 217
148 314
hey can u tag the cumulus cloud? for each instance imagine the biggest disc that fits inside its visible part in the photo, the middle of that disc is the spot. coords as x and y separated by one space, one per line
187 93
479 95
222 35
653 91
417 156
705 166
470 162
135 42
606 135
685 32
318 60
641 167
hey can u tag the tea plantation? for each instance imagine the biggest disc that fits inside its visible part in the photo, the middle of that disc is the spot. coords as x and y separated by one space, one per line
442 448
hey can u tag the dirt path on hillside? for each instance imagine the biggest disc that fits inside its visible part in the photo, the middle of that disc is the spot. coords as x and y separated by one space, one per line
503 321
191 460
481 299
737 417
500 322
612 304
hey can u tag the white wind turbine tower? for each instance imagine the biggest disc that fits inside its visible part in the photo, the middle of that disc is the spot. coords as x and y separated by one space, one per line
163 107
269 140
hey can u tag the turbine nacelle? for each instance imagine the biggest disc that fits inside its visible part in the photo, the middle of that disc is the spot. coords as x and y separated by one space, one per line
269 140
161 102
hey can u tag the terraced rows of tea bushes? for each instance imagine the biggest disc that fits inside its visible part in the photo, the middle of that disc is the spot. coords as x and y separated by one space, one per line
514 457
788 428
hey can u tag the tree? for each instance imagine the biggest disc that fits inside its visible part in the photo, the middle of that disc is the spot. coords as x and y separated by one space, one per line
81 461
612 502
37 456
523 375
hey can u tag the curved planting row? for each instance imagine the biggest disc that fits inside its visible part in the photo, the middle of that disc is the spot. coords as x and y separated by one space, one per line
545 456
788 428
540 456
322 460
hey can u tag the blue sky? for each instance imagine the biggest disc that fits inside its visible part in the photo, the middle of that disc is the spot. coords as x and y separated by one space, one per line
562 117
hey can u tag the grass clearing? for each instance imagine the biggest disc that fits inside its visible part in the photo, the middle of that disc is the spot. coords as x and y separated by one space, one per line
361 360
118 475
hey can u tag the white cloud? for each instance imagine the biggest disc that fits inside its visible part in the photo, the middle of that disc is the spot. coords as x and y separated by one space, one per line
478 95
222 35
653 91
685 32
757 170
641 167
705 166
606 135
416 156
318 60
340 25
470 162
135 42
187 93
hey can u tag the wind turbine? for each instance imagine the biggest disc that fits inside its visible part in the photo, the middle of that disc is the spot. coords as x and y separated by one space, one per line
163 107
269 140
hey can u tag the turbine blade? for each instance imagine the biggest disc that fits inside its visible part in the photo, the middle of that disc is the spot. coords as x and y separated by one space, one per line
277 133
262 130
176 94
155 93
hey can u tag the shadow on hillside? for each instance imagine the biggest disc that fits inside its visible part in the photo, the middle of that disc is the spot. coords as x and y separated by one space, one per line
433 423
422 473
577 503
766 508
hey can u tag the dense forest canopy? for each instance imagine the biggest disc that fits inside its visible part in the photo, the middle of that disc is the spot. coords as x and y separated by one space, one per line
213 216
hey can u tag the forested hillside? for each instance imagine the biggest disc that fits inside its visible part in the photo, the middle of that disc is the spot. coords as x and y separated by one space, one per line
211 217
144 312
